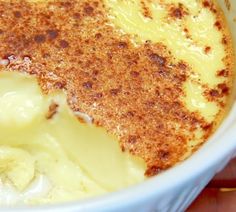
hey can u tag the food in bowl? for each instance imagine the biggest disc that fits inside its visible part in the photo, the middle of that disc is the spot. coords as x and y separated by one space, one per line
98 95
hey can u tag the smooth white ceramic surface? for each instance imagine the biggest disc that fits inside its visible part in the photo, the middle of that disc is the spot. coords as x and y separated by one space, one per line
175 189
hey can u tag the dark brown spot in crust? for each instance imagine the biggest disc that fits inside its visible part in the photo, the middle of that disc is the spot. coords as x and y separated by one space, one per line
182 66
206 4
77 15
134 73
186 30
164 155
224 88
98 95
122 45
214 93
130 113
224 41
153 171
207 127
60 85
114 91
17 14
209 4
64 44
223 73
132 139
88 85
207 49
88 10
159 60
52 34
40 38
98 35
217 24
145 10
178 12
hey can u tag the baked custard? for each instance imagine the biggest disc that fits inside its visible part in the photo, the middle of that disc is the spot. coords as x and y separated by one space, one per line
98 95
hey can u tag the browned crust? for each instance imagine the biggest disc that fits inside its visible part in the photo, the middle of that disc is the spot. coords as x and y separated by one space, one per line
134 92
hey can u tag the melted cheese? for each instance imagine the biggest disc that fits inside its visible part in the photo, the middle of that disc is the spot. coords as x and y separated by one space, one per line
78 160
161 28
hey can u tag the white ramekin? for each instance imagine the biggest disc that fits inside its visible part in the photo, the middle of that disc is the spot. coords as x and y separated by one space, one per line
175 189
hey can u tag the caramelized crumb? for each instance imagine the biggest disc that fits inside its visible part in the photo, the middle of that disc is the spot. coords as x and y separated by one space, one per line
64 44
214 93
145 10
60 85
178 12
17 14
223 73
206 4
153 171
52 110
39 38
88 10
217 24
159 60
207 49
52 33
224 41
122 45
114 92
207 127
88 85
224 88
209 4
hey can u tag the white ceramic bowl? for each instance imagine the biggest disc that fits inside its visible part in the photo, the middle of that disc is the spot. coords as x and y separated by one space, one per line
175 189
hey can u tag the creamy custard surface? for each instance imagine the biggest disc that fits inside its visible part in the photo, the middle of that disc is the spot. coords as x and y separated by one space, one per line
41 141
97 95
